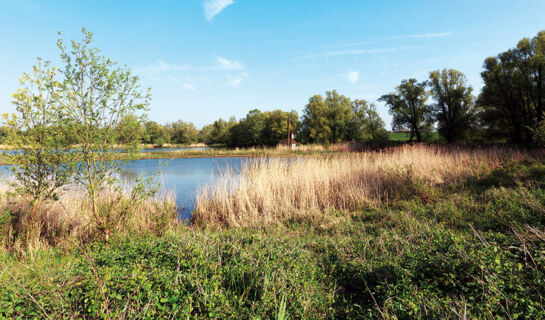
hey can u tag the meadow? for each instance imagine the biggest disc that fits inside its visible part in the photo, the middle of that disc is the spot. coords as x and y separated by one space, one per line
401 233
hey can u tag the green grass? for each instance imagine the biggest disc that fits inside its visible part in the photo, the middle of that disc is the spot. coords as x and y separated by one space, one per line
475 249
398 136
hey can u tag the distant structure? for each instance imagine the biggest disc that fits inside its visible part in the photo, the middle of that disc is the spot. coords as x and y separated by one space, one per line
291 141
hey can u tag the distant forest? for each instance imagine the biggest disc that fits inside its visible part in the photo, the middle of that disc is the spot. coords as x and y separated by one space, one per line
509 108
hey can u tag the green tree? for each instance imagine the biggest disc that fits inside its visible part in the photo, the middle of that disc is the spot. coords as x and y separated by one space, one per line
43 161
183 132
204 134
130 131
316 125
513 95
97 95
156 134
357 122
219 132
409 108
373 125
454 107
340 116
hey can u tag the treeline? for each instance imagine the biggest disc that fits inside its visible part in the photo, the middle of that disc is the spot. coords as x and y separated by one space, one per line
510 108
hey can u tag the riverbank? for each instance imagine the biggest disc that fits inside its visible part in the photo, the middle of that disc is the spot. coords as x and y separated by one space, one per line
216 152
457 241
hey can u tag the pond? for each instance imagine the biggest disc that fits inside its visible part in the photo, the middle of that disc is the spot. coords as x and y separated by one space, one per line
181 176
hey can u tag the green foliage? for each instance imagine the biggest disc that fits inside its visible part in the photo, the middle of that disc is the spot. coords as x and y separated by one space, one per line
473 250
156 134
454 107
97 96
218 132
183 132
130 131
262 128
513 96
41 136
539 133
337 119
409 108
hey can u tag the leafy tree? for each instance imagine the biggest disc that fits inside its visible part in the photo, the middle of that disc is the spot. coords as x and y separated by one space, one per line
247 132
513 96
276 126
373 125
356 124
40 134
409 108
130 131
204 133
3 134
219 132
454 106
340 116
97 95
183 132
262 128
156 134
316 125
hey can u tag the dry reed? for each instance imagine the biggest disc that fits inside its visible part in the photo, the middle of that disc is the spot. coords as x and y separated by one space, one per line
274 190
69 221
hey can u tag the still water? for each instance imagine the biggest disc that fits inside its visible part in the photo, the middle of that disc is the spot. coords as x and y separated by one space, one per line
181 176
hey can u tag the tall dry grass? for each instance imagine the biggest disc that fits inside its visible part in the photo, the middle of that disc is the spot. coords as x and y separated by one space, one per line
276 190
69 221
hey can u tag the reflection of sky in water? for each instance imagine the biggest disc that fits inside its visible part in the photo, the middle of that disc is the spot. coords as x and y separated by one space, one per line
181 176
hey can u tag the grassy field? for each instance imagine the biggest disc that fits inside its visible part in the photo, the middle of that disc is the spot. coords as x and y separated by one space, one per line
460 235
401 136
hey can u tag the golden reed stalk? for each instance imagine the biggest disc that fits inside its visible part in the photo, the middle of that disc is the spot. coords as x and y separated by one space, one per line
277 190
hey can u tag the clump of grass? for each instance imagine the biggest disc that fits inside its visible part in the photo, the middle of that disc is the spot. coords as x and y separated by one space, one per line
69 221
276 190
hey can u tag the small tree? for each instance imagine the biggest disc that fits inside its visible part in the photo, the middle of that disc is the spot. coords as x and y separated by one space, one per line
98 94
42 161
409 108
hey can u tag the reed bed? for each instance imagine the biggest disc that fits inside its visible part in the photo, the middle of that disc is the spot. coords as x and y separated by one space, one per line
69 221
273 190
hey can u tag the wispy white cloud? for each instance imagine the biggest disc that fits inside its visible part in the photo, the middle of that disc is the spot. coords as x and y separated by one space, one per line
213 7
353 76
355 52
188 87
226 64
424 35
160 67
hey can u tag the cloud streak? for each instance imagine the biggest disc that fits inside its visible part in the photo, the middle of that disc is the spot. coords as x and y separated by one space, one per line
355 52
226 64
424 35
188 87
214 7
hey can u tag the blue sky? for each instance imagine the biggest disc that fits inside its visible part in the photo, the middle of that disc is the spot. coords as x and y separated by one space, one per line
220 58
